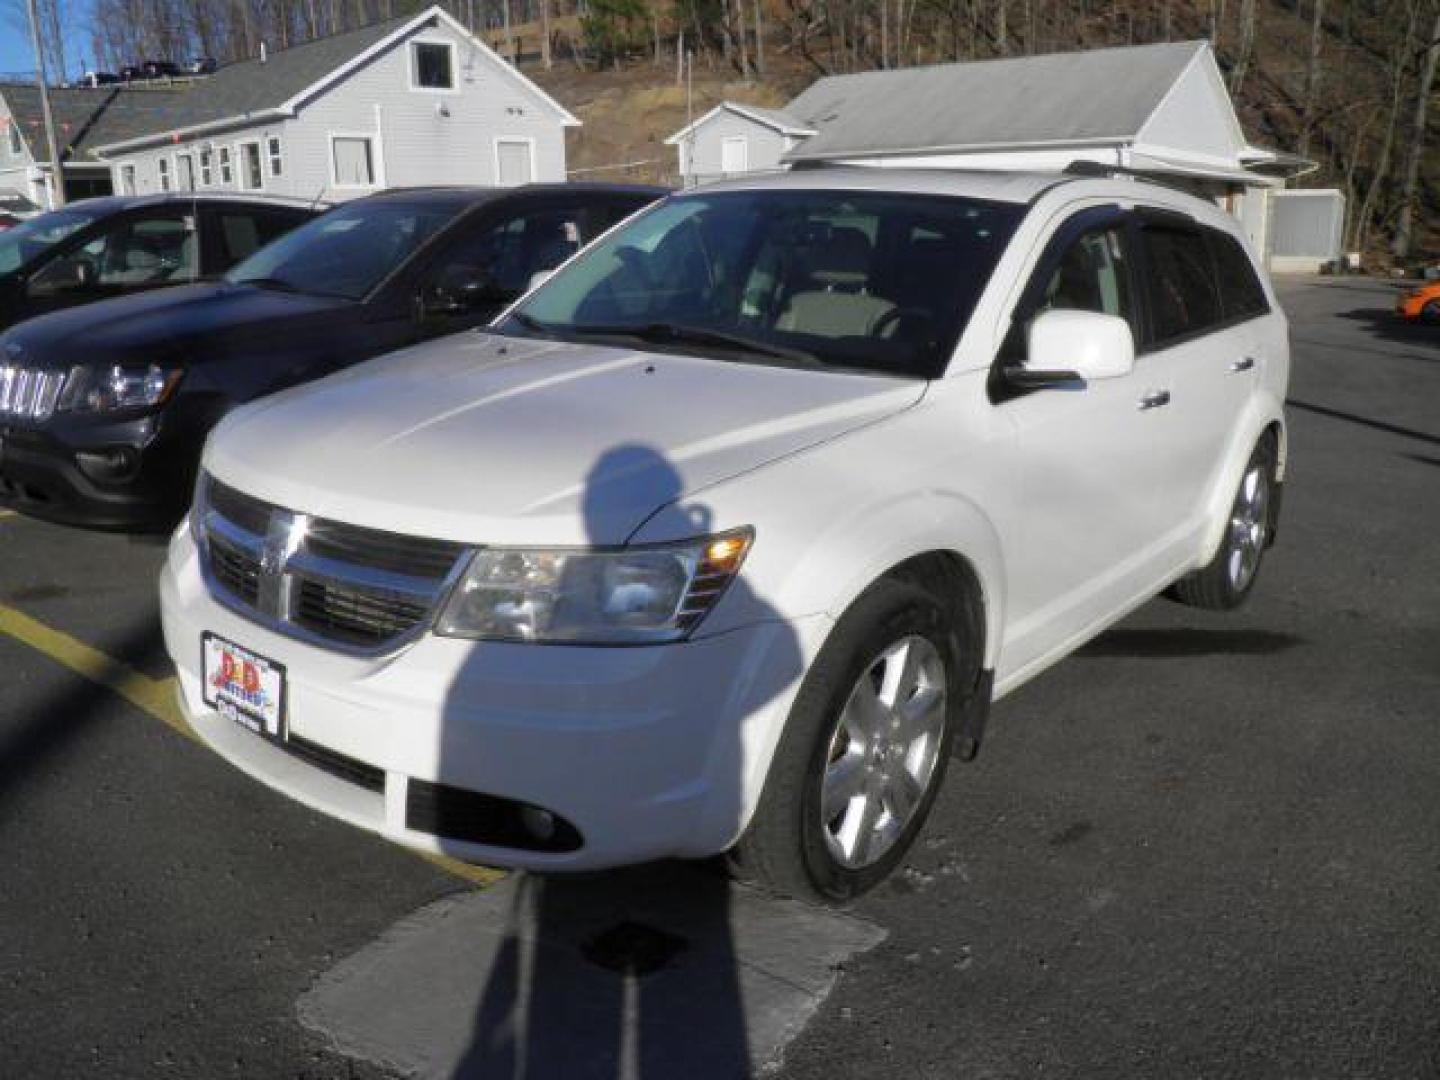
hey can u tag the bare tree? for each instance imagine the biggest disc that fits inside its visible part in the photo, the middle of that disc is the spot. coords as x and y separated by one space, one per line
1404 225
1312 76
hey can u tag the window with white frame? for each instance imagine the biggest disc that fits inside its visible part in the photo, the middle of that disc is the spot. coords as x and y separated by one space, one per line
127 179
227 170
12 129
162 166
275 153
354 160
252 174
185 170
207 167
432 65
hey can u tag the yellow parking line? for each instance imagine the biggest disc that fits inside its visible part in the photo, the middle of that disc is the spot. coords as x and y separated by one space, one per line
153 696
157 698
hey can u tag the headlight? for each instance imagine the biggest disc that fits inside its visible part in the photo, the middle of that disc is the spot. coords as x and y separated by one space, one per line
631 596
119 388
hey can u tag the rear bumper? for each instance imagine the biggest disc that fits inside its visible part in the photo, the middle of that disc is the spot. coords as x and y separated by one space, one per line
646 752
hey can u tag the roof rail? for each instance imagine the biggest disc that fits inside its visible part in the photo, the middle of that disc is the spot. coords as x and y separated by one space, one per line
1083 167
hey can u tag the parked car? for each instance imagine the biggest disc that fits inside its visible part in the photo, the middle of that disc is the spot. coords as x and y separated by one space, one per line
724 537
96 249
1420 304
106 407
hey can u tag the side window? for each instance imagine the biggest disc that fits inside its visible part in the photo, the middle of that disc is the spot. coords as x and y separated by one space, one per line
240 233
505 255
1092 275
139 252
1181 287
1241 293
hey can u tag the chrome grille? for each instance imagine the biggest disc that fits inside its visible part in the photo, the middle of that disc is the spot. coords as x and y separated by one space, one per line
29 393
344 585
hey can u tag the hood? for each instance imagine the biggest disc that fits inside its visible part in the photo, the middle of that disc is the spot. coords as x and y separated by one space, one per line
154 324
486 439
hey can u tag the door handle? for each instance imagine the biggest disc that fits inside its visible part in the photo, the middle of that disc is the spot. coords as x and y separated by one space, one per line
1154 399
1245 363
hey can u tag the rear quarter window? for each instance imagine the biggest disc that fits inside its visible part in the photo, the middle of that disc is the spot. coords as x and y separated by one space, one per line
1241 294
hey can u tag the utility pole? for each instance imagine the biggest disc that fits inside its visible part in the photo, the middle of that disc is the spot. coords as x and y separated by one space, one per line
57 188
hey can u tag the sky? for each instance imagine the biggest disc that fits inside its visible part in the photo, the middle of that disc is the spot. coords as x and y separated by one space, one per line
16 55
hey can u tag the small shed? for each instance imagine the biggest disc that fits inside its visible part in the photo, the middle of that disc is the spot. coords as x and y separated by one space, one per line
731 139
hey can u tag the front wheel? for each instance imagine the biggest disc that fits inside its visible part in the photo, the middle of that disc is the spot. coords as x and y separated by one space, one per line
864 750
1226 580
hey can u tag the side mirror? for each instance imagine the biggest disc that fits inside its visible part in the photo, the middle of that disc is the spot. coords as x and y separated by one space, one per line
1075 346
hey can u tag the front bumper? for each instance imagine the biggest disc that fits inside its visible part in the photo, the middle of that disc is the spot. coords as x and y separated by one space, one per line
117 476
647 752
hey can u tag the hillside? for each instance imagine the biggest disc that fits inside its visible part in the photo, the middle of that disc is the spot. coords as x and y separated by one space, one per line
630 107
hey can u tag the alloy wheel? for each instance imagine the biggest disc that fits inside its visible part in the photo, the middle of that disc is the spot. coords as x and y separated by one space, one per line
883 753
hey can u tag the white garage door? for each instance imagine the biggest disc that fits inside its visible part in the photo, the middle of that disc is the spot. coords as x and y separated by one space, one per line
513 163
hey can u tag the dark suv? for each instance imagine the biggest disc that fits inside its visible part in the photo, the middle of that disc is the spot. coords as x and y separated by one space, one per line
104 409
101 248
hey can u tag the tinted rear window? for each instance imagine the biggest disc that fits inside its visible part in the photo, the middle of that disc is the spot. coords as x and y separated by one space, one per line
1241 293
1184 299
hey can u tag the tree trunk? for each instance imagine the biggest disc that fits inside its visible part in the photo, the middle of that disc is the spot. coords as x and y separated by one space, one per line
1247 46
1312 77
1001 41
545 56
759 39
1399 65
1404 226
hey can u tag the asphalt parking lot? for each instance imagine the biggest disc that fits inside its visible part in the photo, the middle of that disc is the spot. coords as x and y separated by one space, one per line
1208 845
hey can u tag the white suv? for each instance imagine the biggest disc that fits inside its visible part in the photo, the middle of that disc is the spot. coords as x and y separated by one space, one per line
725 537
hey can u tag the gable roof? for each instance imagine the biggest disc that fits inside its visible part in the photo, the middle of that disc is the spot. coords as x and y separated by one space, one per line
778 119
93 121
1095 96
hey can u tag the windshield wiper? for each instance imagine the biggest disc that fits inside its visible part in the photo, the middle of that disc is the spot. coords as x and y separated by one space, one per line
672 333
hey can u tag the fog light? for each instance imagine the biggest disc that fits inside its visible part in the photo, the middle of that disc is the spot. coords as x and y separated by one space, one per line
108 465
538 823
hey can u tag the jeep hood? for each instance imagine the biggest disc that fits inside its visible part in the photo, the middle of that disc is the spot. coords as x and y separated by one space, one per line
495 440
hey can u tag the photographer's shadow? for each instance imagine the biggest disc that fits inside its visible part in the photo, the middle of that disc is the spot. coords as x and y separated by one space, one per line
629 973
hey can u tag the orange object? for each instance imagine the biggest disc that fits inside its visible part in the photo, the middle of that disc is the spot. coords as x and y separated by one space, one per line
1419 304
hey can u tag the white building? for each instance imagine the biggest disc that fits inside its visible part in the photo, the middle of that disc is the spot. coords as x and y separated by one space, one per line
411 101
1159 109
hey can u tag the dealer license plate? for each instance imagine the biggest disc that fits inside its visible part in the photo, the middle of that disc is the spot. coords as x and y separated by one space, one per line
243 686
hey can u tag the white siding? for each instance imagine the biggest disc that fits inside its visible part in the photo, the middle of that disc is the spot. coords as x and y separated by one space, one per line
1195 119
419 136
16 170
701 154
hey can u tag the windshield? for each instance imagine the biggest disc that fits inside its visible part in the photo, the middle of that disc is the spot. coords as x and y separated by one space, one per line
346 252
20 245
878 281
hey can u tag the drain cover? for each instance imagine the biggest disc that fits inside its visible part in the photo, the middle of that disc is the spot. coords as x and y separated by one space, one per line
631 948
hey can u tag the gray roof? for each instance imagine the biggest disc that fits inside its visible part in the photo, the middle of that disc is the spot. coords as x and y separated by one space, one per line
781 118
1095 95
89 118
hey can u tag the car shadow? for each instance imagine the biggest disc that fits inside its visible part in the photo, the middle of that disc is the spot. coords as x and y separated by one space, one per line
1384 324
1172 642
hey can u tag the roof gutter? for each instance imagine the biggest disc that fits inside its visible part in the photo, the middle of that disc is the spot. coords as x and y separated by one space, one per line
142 141
798 155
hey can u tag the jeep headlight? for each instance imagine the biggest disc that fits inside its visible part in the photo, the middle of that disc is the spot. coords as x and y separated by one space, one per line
119 388
627 596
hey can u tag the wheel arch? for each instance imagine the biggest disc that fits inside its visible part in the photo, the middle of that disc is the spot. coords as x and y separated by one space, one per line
1265 418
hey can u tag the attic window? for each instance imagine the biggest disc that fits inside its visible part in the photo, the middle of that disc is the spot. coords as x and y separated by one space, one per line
13 129
434 66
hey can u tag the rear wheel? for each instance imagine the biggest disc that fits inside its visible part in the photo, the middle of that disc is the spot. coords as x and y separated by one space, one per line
864 750
1226 580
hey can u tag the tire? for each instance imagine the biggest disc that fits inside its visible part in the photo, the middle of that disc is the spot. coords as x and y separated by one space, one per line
789 847
1227 579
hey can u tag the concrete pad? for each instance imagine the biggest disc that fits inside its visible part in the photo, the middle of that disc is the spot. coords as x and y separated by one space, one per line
656 972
